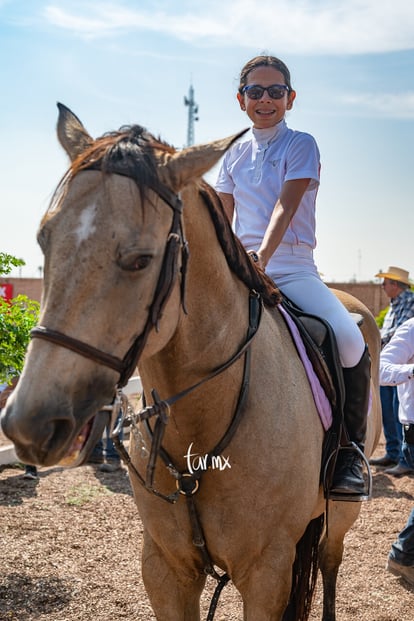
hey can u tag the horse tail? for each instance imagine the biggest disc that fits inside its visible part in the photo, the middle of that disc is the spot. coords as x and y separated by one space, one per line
304 572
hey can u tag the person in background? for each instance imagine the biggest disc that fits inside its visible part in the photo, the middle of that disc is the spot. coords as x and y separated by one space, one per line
268 183
397 369
396 285
30 472
105 454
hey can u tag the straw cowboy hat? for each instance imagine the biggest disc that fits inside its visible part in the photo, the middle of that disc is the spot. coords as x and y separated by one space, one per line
395 273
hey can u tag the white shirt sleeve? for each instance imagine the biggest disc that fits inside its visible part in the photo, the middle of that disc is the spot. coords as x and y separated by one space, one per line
224 181
397 357
303 159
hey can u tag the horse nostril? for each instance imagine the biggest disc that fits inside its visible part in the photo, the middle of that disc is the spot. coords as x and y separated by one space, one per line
39 437
55 435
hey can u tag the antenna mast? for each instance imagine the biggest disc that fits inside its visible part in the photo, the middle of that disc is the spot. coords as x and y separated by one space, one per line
192 115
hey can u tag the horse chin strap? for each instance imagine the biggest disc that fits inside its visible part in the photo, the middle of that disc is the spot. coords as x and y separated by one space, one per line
168 274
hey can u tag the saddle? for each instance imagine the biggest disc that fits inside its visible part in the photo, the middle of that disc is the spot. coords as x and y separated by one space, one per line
322 350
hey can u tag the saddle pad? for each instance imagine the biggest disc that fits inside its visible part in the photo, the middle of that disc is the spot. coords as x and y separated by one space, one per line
321 400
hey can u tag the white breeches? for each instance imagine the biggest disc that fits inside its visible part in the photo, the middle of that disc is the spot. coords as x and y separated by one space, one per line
297 277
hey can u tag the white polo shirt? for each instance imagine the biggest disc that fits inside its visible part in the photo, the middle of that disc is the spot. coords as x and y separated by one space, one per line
254 171
397 368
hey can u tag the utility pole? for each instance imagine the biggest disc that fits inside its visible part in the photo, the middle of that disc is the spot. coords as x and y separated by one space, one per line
192 115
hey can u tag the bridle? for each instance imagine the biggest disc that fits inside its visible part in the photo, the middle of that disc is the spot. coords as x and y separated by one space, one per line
186 484
169 269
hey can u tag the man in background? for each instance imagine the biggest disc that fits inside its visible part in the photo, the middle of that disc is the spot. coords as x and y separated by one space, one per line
396 285
397 369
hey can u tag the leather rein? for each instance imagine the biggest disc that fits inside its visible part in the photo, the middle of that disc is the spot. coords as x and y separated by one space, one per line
186 483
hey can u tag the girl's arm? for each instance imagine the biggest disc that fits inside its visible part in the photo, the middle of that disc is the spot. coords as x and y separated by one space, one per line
228 204
284 210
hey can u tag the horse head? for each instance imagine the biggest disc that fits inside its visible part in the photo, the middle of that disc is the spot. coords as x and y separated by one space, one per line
114 257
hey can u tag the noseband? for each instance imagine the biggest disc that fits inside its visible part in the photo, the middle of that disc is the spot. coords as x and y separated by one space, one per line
169 269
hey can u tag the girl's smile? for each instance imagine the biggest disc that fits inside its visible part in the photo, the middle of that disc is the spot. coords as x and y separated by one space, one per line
266 111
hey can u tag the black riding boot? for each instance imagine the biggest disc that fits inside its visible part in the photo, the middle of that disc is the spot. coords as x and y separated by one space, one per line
348 476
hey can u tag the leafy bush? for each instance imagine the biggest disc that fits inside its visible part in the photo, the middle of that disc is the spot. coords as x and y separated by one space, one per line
381 316
7 262
17 317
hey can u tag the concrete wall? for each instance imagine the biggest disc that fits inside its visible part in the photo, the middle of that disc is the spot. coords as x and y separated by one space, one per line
371 294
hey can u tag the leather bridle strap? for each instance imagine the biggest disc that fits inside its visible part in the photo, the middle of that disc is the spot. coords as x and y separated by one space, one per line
88 351
160 408
168 273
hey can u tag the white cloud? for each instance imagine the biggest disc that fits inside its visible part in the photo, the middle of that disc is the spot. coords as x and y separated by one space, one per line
391 106
111 19
295 26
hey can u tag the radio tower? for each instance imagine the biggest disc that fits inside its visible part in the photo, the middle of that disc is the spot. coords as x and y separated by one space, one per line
192 115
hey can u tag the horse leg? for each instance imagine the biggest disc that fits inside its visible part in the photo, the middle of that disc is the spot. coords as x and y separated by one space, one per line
174 593
265 585
342 515
329 563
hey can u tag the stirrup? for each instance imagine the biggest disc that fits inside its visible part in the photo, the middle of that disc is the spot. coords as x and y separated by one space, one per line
366 495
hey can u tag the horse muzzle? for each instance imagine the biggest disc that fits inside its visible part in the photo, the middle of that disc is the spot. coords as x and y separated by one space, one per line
64 434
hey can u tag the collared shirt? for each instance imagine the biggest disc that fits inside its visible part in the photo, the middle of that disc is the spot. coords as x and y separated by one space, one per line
254 171
401 308
397 368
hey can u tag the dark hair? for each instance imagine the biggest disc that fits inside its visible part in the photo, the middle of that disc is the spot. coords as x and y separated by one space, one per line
264 61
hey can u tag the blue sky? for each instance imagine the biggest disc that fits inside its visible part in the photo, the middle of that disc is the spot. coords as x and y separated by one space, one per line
120 62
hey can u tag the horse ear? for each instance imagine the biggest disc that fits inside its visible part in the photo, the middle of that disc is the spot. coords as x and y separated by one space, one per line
195 161
71 133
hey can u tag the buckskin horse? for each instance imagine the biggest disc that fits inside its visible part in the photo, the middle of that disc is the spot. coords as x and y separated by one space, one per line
141 267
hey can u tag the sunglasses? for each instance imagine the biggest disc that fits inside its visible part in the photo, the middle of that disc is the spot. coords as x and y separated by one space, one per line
275 91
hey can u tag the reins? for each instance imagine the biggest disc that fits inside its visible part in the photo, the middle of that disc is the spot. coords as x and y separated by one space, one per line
161 408
187 483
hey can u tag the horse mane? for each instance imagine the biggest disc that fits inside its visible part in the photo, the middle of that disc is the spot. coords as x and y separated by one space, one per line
130 151
237 258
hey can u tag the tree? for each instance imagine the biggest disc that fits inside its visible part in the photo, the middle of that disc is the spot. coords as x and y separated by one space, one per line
17 317
7 262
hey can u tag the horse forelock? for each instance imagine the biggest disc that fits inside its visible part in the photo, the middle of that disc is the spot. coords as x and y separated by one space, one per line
237 258
131 151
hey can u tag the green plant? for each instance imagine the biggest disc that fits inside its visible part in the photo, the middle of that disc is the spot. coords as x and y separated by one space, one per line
79 495
17 317
7 262
380 317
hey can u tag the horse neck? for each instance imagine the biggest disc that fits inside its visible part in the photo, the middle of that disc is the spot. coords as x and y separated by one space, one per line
217 319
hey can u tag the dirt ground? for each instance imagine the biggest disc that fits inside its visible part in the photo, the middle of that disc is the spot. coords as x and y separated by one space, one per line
70 551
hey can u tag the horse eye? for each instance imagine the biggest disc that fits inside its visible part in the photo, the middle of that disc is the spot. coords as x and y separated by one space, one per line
139 263
42 238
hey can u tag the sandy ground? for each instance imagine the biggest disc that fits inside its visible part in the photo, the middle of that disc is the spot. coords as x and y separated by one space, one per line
70 551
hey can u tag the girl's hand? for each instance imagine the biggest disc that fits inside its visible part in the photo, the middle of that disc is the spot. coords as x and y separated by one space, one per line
255 257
